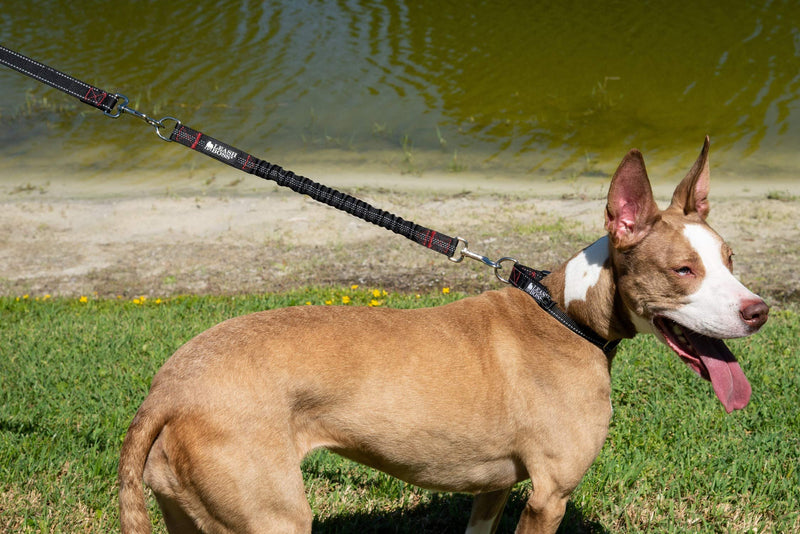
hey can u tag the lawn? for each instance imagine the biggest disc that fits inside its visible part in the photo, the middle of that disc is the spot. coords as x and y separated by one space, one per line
73 372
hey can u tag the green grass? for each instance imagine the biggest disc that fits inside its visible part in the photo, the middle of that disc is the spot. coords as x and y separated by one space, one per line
73 373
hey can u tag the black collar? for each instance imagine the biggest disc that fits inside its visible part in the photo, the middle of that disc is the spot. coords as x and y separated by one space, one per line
528 280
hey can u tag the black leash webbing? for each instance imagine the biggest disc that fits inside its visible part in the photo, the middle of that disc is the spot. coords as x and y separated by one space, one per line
248 163
88 94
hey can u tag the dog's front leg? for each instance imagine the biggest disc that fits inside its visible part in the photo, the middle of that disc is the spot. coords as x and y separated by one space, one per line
486 511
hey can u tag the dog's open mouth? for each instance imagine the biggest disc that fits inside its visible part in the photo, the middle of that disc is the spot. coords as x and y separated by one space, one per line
709 358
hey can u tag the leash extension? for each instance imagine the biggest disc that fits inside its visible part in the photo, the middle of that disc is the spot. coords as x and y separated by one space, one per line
250 164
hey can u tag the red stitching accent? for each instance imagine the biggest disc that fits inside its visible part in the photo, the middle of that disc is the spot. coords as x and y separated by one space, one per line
95 97
431 233
196 140
246 162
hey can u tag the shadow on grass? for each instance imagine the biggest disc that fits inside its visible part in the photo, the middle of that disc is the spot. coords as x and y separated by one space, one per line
445 514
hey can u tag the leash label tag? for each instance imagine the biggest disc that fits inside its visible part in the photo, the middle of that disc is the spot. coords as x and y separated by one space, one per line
539 294
219 150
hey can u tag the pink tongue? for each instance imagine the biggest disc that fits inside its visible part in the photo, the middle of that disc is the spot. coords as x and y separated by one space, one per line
727 377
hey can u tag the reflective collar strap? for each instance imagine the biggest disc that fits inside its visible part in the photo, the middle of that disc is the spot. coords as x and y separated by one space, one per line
529 281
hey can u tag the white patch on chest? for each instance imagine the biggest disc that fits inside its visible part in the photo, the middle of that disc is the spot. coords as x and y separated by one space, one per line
583 271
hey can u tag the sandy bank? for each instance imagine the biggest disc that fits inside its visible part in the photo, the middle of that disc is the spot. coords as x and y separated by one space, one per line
136 236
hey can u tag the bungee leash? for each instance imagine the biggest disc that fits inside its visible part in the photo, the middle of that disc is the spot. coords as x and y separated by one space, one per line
115 105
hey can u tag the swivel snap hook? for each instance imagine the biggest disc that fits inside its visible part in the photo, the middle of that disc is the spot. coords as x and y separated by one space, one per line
123 107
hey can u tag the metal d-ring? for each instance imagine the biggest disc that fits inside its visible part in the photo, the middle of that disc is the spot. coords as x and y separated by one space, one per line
160 124
122 103
499 266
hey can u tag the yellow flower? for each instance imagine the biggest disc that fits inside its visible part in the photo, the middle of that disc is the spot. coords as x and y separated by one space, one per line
345 300
25 297
158 301
445 290
376 293
308 303
47 296
374 303
137 301
328 302
354 286
82 299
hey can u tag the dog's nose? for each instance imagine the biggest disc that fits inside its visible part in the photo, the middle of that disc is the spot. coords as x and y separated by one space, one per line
754 313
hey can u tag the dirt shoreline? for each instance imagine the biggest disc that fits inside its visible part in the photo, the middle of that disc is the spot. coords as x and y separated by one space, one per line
72 240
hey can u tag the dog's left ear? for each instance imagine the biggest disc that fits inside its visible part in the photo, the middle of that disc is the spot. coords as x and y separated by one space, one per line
691 195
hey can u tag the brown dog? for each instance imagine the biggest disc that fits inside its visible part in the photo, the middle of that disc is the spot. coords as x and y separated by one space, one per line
473 396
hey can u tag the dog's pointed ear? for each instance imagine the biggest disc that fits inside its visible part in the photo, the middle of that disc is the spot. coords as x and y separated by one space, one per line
631 209
691 195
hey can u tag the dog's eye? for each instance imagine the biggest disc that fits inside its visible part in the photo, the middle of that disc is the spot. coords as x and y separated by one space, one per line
684 271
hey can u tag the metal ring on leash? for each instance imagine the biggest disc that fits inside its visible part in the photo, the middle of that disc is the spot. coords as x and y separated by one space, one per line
499 267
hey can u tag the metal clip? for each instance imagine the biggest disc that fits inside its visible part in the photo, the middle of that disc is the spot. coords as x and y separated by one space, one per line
122 107
464 252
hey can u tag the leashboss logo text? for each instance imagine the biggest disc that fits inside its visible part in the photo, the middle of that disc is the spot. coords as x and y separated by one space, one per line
219 150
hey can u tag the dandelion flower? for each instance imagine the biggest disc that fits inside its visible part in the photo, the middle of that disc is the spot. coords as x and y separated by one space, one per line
376 293
373 303
445 290
354 286
345 300
328 302
84 299
308 303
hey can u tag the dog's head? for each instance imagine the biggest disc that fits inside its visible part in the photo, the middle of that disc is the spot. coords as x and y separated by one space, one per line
675 274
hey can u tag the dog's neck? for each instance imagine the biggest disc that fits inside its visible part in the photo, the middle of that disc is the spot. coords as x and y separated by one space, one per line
585 287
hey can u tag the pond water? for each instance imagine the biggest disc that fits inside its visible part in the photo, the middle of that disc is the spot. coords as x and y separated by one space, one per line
526 90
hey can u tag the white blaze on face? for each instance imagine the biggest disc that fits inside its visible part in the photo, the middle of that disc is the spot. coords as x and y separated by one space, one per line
583 271
714 309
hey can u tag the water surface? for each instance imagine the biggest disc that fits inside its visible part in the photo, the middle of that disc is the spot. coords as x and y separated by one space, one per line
527 90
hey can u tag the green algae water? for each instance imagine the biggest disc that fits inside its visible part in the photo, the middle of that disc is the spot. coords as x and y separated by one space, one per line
525 90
